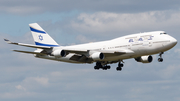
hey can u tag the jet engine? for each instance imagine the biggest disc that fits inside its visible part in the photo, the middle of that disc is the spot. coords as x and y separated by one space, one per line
97 56
59 53
144 59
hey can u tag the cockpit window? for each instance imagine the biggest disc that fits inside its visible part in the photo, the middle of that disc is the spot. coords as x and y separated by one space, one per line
162 33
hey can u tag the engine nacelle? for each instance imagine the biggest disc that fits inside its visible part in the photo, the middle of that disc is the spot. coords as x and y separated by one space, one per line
59 53
144 59
97 56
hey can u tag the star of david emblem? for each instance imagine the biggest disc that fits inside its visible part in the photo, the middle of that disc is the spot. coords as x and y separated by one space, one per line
40 37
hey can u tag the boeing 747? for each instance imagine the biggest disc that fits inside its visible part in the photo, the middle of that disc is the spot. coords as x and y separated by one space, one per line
140 46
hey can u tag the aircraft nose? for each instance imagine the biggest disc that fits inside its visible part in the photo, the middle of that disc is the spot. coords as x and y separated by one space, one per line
173 41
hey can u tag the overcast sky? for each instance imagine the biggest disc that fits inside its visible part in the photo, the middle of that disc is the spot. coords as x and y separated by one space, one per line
25 78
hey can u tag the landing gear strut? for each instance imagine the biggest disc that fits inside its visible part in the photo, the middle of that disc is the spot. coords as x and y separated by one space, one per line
120 65
160 59
99 65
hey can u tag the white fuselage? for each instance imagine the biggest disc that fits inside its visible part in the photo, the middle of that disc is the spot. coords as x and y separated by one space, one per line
140 44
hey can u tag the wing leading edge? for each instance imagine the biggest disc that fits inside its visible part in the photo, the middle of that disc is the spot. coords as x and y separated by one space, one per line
27 45
28 52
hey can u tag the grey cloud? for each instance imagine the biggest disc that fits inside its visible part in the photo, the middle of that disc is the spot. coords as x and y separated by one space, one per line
107 24
40 6
82 83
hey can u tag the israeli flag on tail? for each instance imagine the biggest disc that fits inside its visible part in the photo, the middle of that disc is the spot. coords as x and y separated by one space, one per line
41 37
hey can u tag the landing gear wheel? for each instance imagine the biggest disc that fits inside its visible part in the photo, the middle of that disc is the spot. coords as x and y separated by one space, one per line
100 66
104 68
120 65
96 68
119 68
108 67
160 59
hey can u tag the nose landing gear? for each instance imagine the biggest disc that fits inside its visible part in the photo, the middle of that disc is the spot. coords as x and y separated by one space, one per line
160 59
120 65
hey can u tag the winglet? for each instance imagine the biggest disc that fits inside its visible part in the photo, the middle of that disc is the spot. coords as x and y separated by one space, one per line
7 41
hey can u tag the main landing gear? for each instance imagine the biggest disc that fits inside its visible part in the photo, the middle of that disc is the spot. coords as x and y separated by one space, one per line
99 65
105 67
160 59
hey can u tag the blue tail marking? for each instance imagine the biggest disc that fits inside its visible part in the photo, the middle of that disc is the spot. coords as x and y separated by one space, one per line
41 44
38 31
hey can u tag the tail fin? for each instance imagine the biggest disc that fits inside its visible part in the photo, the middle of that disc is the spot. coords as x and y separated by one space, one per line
41 37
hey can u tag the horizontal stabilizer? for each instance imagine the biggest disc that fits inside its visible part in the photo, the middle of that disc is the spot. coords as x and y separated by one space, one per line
29 52
27 45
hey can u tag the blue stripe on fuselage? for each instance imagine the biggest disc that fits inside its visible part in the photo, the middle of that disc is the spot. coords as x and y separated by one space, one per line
38 31
41 44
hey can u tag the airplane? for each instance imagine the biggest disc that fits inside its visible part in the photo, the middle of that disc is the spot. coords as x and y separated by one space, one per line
140 46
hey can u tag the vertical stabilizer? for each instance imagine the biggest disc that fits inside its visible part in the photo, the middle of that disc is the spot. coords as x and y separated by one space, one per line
41 37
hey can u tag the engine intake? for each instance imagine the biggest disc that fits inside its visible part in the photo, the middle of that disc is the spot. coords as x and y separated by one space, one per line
144 59
97 56
59 53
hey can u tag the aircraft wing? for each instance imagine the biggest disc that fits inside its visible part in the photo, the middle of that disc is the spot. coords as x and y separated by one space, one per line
80 55
120 52
81 51
29 52
77 51
27 45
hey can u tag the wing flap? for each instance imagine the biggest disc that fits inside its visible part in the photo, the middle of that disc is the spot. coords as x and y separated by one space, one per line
81 58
